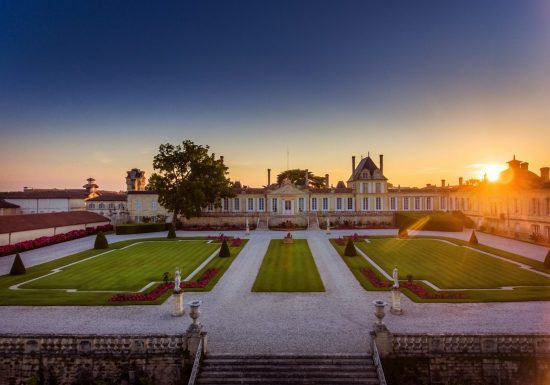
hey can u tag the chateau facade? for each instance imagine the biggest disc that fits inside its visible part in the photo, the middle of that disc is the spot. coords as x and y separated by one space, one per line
518 205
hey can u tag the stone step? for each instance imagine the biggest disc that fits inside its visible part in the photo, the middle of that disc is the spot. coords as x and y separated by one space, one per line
283 361
290 381
285 374
288 367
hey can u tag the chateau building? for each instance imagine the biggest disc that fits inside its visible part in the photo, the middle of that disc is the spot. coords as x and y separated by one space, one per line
517 205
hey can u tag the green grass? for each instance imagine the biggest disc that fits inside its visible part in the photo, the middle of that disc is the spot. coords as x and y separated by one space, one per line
131 268
125 270
448 266
451 267
288 268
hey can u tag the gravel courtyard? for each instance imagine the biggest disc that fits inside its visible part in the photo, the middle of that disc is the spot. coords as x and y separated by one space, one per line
237 320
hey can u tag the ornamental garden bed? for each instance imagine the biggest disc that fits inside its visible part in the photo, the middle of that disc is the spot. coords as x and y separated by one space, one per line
474 276
93 277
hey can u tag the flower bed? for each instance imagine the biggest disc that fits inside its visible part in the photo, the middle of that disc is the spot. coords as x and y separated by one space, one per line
341 241
201 283
219 238
236 242
417 289
46 241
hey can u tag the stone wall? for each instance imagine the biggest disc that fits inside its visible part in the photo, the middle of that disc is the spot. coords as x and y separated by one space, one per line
93 359
472 359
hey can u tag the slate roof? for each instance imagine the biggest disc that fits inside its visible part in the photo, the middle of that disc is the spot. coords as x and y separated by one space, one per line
15 223
7 205
110 197
45 194
365 164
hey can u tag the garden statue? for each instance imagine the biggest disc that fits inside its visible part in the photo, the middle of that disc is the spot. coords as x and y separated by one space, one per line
177 280
395 278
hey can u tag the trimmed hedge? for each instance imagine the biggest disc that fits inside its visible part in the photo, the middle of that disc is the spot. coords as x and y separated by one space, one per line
142 228
431 221
473 239
224 250
350 249
18 268
171 233
547 260
101 241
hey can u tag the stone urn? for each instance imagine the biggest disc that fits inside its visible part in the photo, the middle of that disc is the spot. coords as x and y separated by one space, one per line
194 314
379 306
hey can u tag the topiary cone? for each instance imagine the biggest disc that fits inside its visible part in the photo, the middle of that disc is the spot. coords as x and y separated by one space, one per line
18 268
350 249
403 234
224 251
547 260
101 241
171 233
473 239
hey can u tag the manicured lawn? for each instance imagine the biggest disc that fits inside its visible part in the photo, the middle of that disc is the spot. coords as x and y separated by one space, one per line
450 267
288 268
131 268
128 269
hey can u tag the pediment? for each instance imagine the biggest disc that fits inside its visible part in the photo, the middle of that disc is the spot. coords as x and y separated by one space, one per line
287 189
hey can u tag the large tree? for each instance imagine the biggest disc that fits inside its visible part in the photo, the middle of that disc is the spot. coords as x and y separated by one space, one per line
187 179
298 177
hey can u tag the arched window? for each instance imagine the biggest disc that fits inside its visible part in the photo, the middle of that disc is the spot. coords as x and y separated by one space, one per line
111 205
101 206
91 205
121 206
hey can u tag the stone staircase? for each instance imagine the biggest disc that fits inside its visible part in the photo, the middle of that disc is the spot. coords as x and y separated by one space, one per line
313 223
262 224
287 369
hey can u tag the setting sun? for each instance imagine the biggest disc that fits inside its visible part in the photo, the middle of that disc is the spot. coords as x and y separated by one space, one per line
493 171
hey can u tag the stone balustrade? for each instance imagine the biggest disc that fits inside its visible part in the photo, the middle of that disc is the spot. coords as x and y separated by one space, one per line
425 344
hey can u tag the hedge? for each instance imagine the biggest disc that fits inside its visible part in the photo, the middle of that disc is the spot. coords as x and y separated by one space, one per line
46 241
350 249
142 228
436 221
101 241
18 268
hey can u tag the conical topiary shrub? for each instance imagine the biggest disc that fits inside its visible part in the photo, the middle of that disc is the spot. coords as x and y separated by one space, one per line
403 234
350 249
224 251
547 260
101 241
473 239
171 233
18 268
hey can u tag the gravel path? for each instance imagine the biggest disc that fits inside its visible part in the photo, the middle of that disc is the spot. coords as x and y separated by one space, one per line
238 320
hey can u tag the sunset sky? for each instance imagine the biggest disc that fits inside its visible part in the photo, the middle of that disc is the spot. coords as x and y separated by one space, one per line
443 89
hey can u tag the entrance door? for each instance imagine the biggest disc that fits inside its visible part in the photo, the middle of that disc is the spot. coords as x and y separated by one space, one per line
288 209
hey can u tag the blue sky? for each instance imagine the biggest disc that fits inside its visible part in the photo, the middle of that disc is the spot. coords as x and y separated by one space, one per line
92 88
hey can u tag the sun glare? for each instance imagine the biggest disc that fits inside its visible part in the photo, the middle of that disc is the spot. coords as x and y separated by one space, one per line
493 171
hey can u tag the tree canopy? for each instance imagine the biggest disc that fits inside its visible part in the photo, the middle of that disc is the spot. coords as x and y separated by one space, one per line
298 177
187 179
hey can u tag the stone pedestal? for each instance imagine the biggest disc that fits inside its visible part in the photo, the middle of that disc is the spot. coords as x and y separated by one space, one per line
396 301
177 304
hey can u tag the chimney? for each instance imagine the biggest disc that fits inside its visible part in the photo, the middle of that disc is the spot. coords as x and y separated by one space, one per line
524 166
306 178
442 182
221 159
382 164
352 164
268 177
326 180
460 181
544 174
